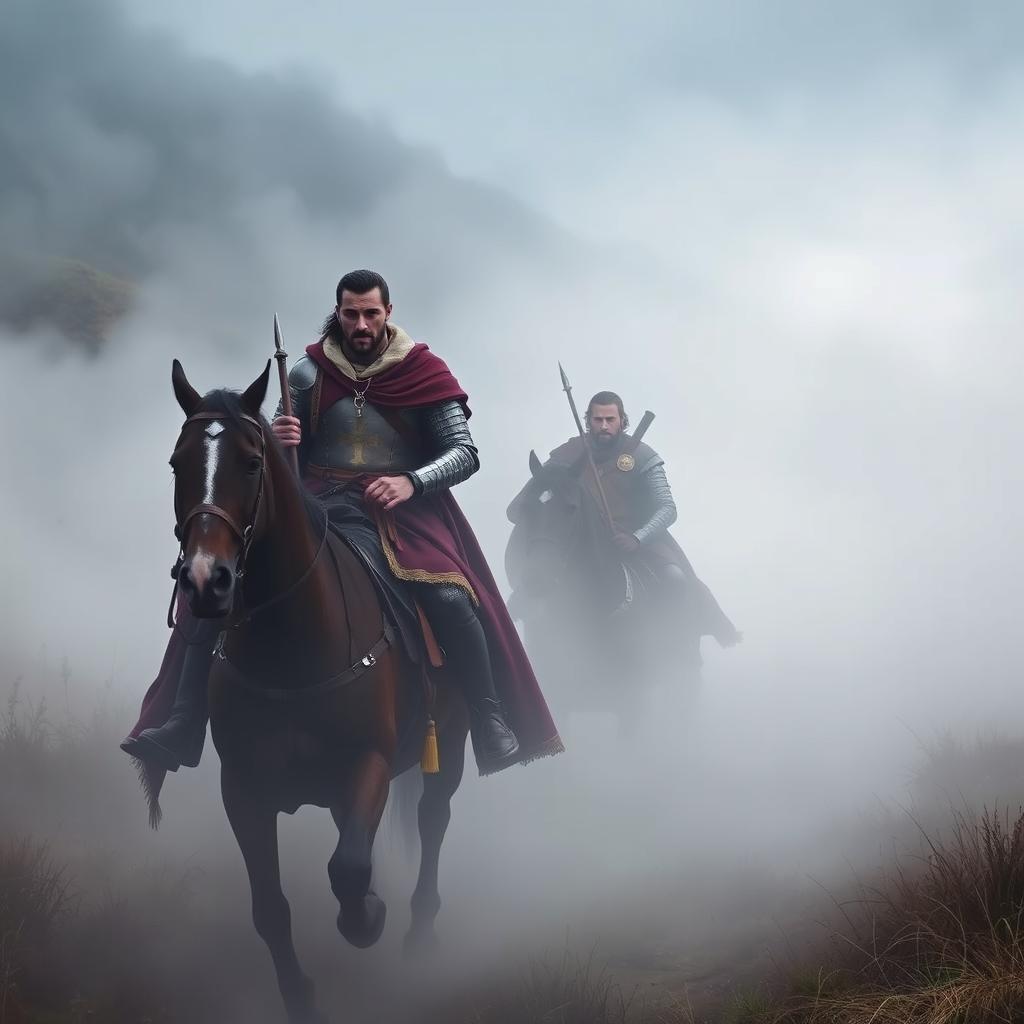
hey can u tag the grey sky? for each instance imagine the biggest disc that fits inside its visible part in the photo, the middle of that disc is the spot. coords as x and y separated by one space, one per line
541 96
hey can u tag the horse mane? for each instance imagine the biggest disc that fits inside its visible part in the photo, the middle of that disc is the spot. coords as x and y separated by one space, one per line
228 403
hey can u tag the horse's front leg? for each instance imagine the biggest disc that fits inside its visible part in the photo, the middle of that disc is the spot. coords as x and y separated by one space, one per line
255 828
434 815
362 914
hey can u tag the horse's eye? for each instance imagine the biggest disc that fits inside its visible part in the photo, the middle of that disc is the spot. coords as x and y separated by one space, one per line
545 497
254 464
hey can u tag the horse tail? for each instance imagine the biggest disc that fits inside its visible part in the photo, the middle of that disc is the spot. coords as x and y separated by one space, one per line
151 778
403 807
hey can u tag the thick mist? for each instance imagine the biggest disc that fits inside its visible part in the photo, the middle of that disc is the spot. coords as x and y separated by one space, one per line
808 275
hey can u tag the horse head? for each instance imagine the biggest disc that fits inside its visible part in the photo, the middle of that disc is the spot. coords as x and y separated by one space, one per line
549 518
560 547
220 483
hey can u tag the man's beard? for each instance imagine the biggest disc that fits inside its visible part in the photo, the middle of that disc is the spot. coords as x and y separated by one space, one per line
332 329
604 442
364 356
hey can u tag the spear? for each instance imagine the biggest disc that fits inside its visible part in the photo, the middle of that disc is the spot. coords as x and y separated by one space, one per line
286 396
567 388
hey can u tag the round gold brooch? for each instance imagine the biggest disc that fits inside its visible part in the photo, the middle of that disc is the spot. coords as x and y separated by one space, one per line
625 462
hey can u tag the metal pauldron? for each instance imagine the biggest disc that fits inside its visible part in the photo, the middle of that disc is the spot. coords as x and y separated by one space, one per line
446 435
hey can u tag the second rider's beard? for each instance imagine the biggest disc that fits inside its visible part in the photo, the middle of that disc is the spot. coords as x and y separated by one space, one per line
604 444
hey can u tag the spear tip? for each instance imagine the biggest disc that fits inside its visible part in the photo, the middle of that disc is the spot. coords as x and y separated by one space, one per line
278 343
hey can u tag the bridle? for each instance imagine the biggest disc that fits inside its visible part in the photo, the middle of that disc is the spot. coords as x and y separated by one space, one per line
243 533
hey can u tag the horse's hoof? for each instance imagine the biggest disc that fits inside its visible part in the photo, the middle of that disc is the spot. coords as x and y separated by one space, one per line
300 1006
362 923
420 944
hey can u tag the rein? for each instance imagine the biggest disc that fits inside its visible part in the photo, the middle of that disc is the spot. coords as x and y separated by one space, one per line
288 591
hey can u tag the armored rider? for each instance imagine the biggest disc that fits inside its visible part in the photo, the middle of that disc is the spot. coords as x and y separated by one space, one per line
642 508
381 427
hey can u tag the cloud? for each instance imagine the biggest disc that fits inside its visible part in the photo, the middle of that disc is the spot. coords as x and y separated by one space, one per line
121 146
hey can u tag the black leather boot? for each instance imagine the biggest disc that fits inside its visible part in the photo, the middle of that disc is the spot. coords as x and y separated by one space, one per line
461 634
494 743
179 741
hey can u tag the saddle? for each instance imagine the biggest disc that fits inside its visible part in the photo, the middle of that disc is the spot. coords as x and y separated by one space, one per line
407 610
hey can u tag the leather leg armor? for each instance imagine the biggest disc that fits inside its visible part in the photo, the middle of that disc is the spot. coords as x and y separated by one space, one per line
461 635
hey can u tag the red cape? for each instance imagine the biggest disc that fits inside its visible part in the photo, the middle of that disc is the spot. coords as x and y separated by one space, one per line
421 378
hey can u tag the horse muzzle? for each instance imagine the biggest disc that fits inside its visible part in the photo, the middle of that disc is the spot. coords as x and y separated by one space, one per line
208 583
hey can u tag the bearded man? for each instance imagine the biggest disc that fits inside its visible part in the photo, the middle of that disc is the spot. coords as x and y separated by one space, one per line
639 500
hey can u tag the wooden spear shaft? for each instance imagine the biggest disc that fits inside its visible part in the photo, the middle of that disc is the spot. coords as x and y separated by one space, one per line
286 396
567 388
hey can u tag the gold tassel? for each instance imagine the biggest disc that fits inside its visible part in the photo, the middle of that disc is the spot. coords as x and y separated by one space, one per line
428 762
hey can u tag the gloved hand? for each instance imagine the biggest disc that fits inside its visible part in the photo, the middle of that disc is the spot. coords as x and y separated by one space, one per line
626 542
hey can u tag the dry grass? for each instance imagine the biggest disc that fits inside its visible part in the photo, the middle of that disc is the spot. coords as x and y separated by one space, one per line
938 941
34 897
67 960
938 938
61 773
104 946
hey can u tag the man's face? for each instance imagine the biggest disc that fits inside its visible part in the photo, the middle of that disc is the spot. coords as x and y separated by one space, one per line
363 320
605 424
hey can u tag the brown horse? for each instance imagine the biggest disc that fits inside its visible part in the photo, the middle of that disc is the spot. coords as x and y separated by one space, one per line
306 696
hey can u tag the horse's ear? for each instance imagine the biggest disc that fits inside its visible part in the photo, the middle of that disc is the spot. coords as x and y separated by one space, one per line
187 396
252 400
535 466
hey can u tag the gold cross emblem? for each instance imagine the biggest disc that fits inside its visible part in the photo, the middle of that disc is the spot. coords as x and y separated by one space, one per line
360 441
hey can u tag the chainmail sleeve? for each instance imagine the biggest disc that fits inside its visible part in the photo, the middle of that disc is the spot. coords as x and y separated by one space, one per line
301 378
447 438
659 501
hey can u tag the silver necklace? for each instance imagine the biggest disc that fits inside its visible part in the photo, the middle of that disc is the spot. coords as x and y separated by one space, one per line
359 400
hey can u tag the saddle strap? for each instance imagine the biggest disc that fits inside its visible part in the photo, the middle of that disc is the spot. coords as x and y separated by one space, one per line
335 682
